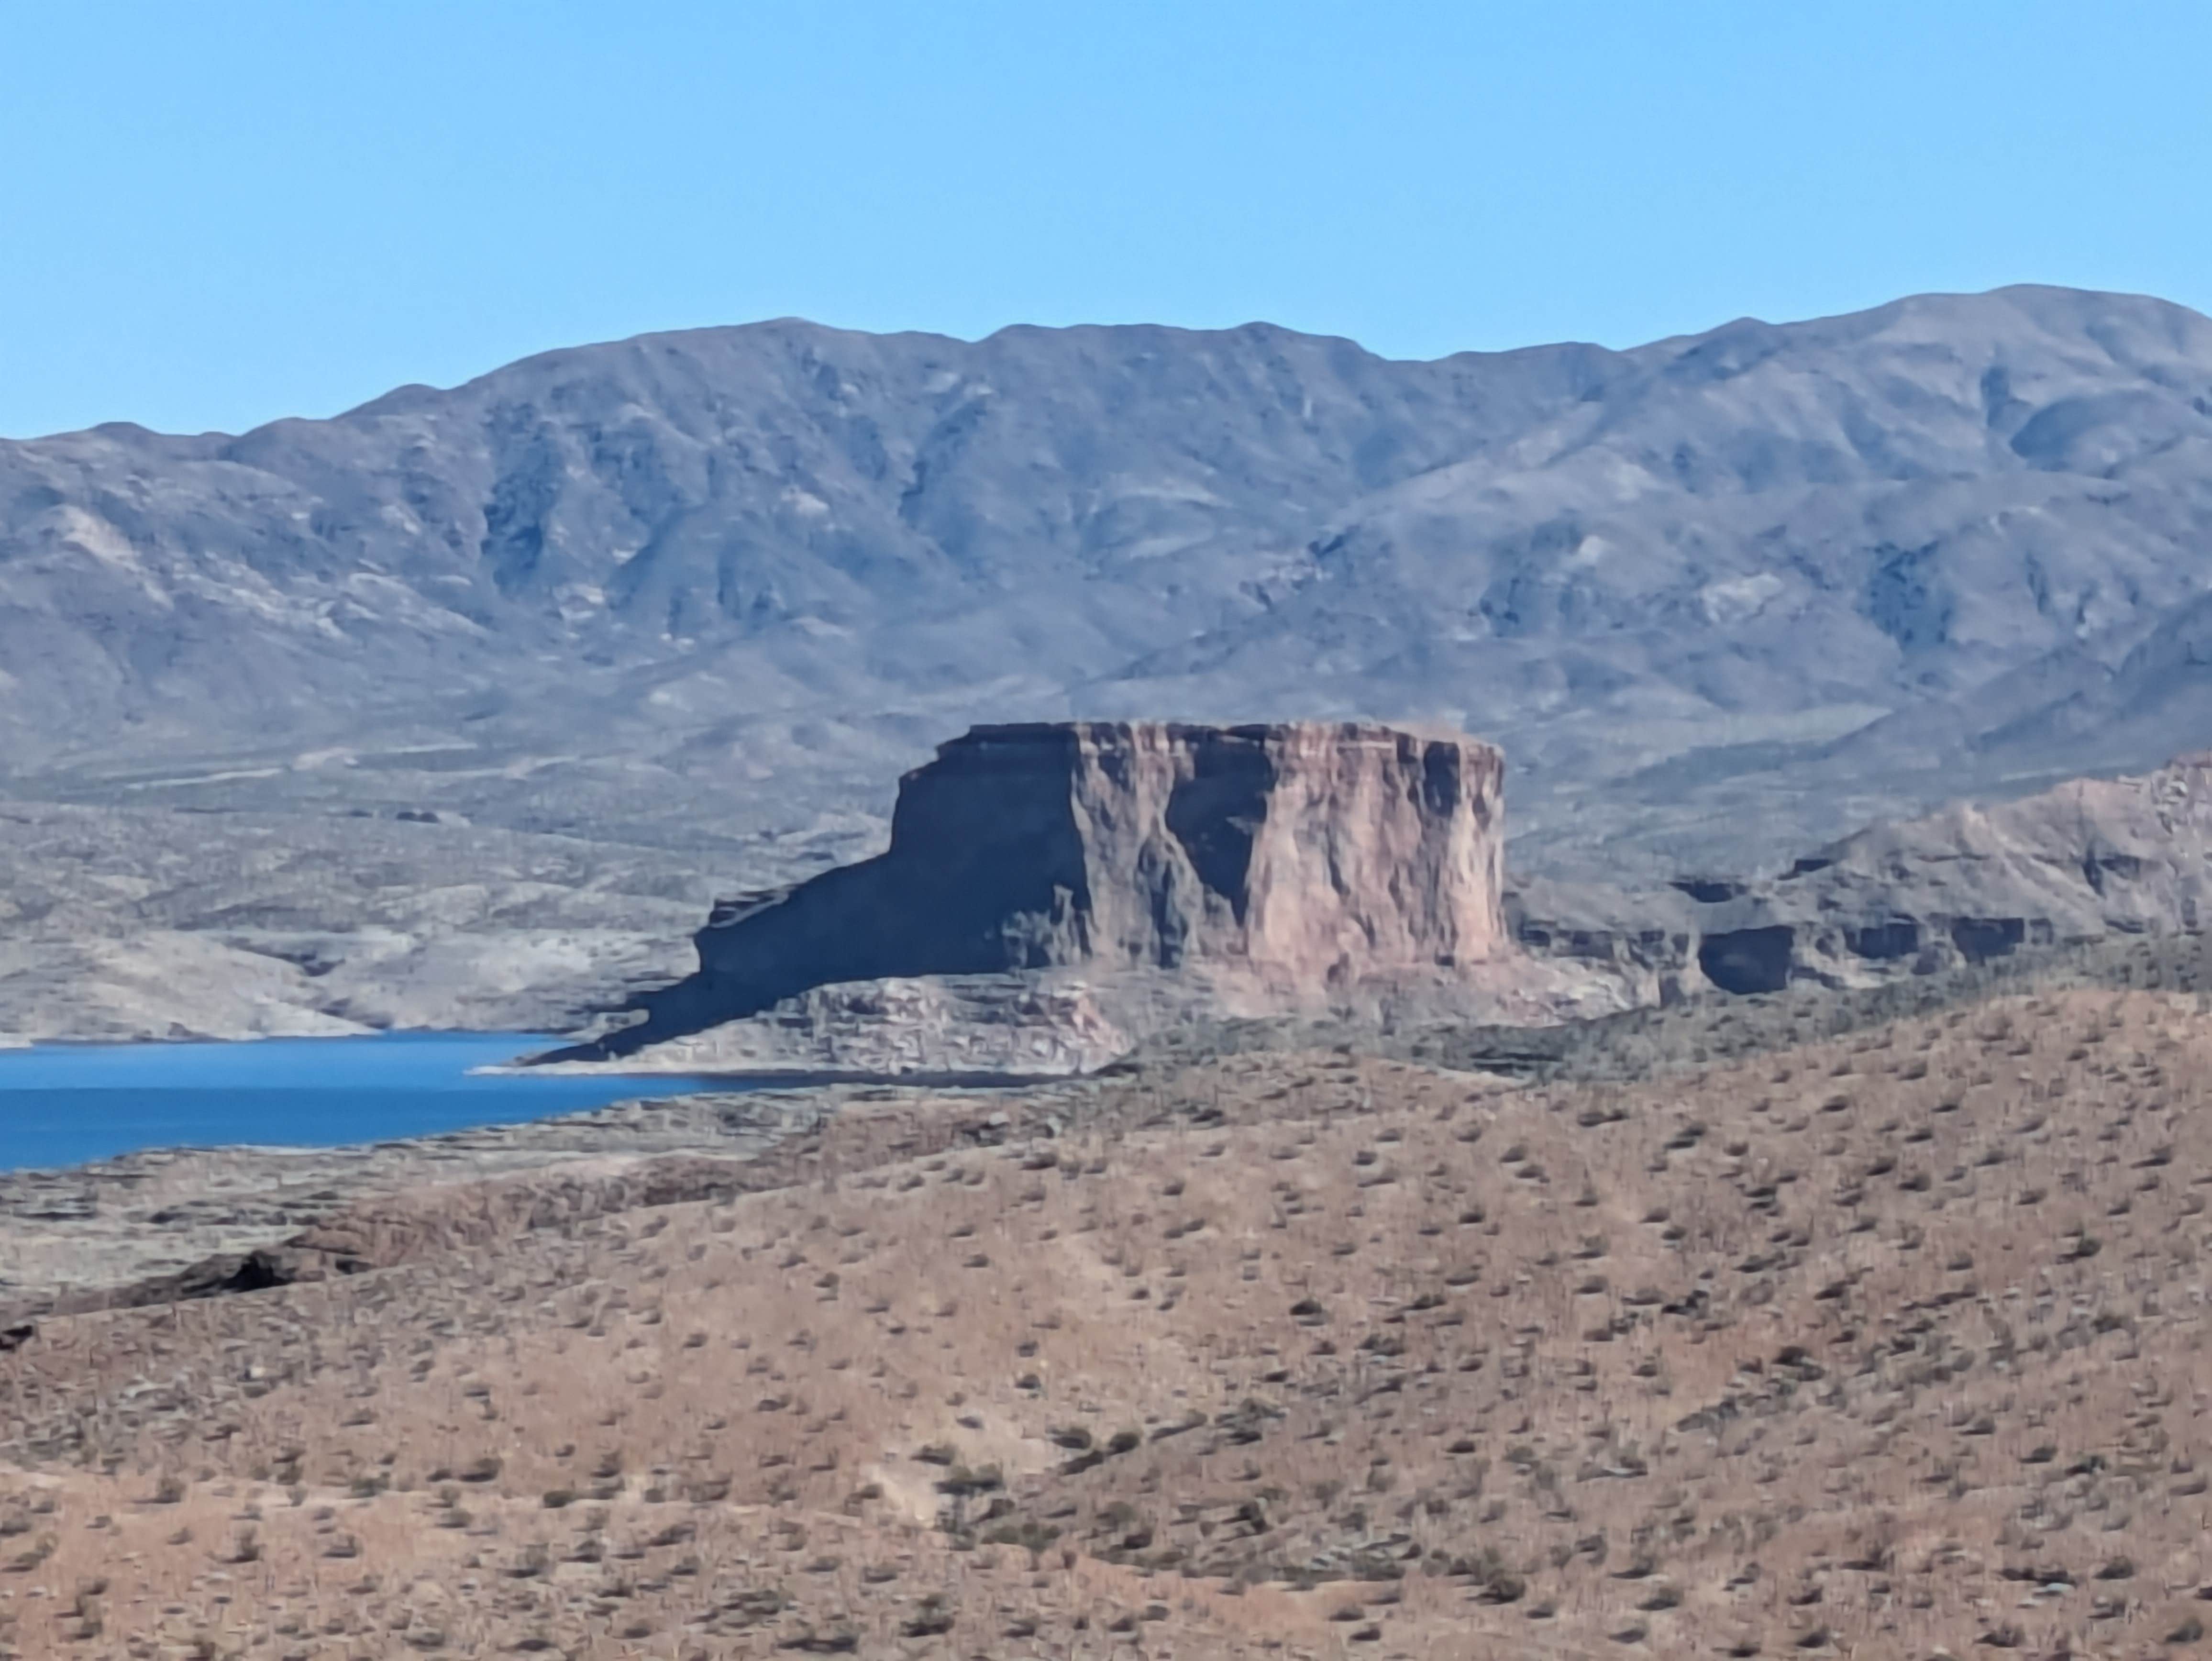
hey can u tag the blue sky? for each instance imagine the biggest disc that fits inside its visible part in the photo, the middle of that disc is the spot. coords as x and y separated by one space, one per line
214 215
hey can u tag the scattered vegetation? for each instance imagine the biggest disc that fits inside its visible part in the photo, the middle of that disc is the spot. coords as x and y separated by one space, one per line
1876 1340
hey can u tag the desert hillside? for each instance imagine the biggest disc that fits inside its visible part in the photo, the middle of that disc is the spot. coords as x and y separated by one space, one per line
1880 1343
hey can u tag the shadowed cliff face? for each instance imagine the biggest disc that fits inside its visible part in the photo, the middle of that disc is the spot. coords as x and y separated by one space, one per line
1303 854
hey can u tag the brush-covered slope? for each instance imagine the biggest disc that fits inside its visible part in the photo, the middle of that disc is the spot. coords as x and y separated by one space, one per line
1879 1346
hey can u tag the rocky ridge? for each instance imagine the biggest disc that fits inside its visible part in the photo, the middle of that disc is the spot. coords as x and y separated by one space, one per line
1721 598
1972 883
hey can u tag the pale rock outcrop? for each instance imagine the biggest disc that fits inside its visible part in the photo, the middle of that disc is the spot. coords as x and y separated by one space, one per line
1970 883
1287 863
943 1027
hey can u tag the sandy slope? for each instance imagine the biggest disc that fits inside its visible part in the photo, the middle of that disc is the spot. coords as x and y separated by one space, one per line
1871 1346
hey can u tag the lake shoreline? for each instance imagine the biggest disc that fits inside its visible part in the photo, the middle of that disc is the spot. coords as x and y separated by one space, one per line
169 1225
67 1104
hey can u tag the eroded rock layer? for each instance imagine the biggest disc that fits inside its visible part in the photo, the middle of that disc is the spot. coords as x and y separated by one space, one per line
1305 855
1968 885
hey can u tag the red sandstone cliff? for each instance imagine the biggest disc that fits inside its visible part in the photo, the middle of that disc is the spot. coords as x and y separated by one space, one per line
1311 850
1305 856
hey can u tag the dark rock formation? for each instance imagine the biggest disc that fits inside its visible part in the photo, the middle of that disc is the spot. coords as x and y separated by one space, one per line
1310 853
1748 960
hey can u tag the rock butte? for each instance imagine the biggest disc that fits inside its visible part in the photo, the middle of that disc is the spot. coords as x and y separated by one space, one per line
1303 854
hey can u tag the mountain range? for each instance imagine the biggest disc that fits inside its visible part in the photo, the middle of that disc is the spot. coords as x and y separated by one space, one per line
1719 597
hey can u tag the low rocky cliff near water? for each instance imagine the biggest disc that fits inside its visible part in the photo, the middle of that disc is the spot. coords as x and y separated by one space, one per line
1291 859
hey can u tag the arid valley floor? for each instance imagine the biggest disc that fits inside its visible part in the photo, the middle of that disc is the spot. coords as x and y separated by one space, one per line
1881 1344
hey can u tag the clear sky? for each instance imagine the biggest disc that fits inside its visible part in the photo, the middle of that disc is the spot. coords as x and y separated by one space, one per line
212 215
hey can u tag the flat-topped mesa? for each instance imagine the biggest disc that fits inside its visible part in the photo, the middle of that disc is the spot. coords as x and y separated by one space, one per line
1306 854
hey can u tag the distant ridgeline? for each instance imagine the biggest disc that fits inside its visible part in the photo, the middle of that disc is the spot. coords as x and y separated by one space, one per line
1722 597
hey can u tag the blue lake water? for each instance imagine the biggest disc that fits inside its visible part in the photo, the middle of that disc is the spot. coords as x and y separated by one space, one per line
66 1103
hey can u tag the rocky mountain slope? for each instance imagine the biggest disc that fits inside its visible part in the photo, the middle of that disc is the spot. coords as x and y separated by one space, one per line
1720 597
